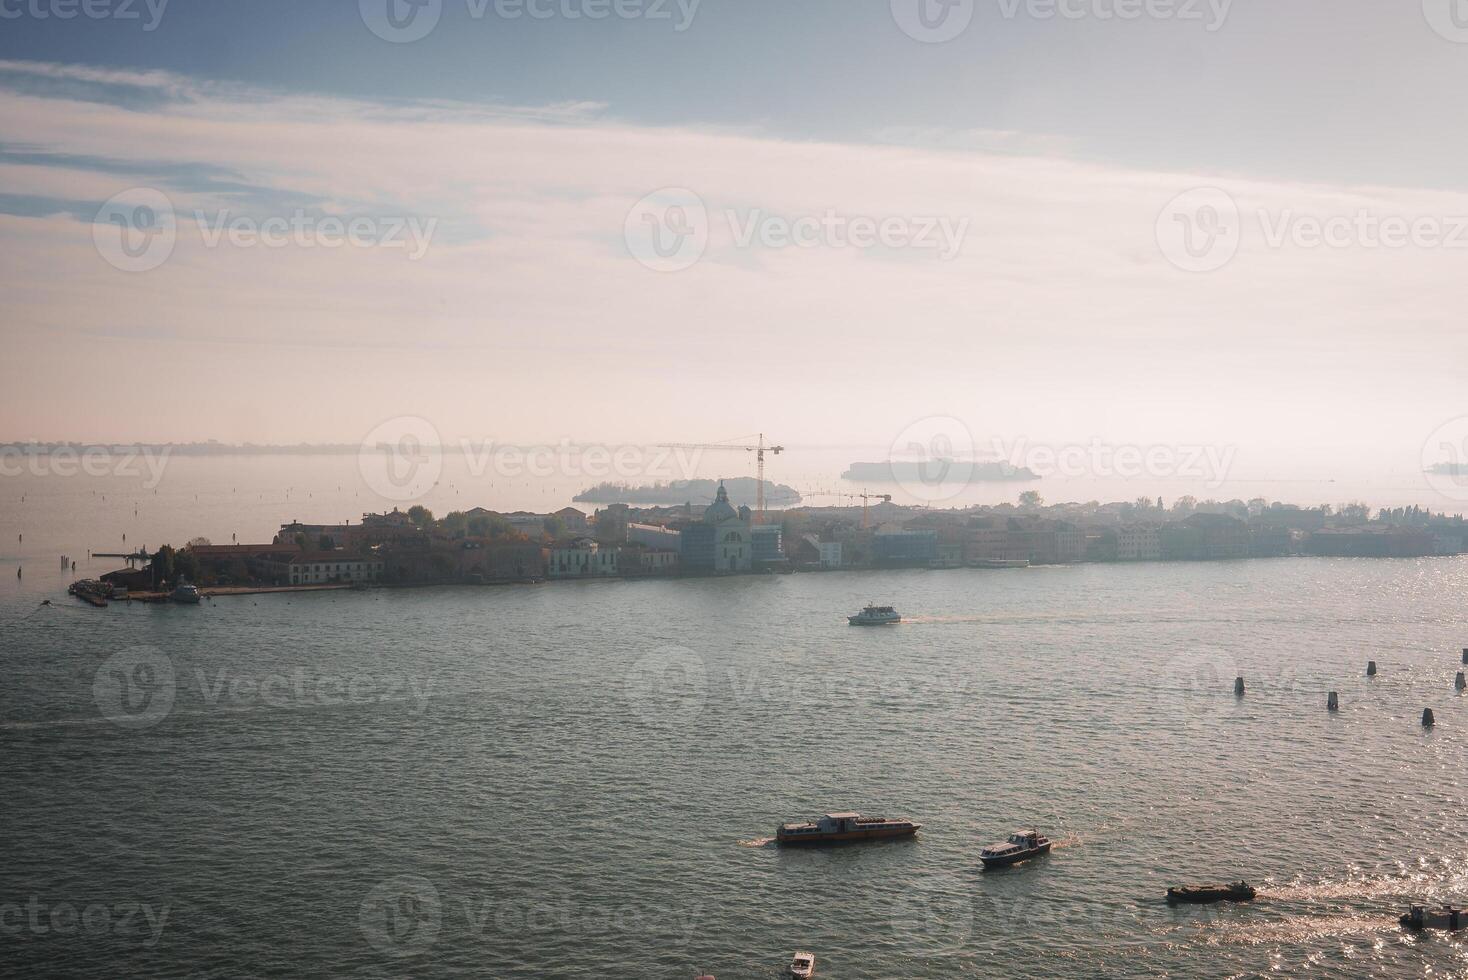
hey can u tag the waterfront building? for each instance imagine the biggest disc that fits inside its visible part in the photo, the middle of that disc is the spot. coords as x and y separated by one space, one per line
582 558
1138 542
639 559
720 541
654 536
905 547
576 521
326 567
1206 537
765 545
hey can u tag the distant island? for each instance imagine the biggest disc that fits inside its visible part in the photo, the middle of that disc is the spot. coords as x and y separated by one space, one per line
742 490
939 471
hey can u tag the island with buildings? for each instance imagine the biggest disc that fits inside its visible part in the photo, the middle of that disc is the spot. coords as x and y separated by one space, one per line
484 547
742 488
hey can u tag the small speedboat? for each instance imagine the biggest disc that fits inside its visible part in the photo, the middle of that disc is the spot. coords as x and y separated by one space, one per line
1020 847
875 616
803 965
1421 917
1239 891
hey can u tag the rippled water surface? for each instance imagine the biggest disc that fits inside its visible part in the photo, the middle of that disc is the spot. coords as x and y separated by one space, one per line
581 779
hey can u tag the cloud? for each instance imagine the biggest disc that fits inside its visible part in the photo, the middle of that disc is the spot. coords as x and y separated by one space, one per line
1059 301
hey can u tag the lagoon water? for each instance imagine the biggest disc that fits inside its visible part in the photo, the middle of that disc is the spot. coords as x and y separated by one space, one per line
580 780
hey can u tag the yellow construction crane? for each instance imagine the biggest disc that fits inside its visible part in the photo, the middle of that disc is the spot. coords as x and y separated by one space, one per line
866 499
759 451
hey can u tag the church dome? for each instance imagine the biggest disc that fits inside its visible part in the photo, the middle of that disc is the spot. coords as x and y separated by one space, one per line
720 510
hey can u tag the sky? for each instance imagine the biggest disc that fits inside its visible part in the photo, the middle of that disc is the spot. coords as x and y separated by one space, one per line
1184 221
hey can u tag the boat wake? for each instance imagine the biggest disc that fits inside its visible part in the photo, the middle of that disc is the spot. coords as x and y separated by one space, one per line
1295 929
1396 886
757 842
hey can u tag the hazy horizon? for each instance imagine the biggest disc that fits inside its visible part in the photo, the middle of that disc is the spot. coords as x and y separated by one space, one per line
554 243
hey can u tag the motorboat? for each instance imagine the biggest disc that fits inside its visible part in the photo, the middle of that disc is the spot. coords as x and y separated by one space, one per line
1421 917
187 594
842 828
1238 891
1019 847
803 965
875 616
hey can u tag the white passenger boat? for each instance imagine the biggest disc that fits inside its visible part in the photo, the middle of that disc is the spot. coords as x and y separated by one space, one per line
875 616
803 965
1020 847
187 594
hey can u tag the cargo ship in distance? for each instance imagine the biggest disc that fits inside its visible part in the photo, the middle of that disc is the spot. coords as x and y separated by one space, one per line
841 828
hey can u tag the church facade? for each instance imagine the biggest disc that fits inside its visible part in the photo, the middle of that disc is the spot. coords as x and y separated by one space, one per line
721 542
